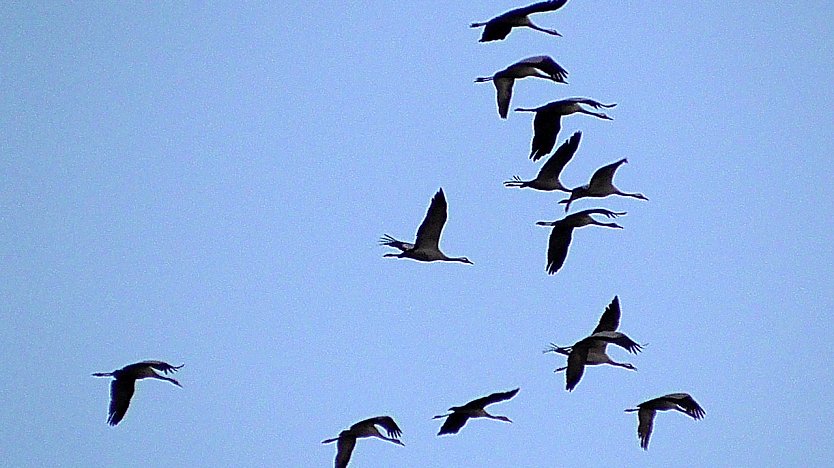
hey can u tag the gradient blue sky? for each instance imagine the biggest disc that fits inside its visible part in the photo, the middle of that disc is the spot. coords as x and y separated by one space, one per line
206 185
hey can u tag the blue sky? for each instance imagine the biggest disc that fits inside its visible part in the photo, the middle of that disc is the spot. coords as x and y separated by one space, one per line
206 185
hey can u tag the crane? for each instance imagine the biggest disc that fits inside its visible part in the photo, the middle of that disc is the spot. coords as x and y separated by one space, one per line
560 236
548 177
579 352
548 121
499 27
646 411
609 322
600 186
426 247
366 428
124 383
458 416
540 66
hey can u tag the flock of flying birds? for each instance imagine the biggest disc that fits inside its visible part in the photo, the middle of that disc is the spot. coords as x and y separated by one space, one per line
590 350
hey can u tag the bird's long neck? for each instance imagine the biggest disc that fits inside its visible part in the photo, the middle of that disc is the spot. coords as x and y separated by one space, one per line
624 365
595 114
497 418
173 381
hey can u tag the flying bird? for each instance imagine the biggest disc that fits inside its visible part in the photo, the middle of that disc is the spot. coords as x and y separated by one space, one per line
123 385
474 409
578 356
560 236
548 177
548 121
367 428
682 402
600 186
540 66
609 322
499 27
426 247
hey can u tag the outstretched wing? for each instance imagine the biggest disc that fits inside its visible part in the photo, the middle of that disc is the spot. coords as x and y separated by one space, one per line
604 176
687 404
503 94
645 423
490 399
344 448
428 235
546 64
610 319
554 166
619 339
539 7
600 211
557 247
588 102
387 423
546 126
453 423
576 365
121 391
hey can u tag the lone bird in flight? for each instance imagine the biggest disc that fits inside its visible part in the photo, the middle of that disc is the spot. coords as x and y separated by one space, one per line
646 411
600 186
548 177
474 409
426 248
540 66
499 27
124 383
548 121
560 236
367 428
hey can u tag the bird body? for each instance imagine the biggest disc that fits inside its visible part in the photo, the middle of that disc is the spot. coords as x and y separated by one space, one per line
363 429
562 232
600 186
578 356
548 121
548 177
426 248
500 27
540 66
474 409
646 411
124 383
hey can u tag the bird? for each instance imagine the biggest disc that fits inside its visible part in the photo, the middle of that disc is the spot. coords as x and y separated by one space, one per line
548 121
426 247
548 177
600 186
578 356
123 385
682 402
499 27
560 236
609 322
474 409
367 428
540 66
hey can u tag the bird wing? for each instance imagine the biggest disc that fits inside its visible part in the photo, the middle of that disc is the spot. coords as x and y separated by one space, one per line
121 391
610 319
554 166
644 426
539 7
576 364
546 126
604 176
344 448
601 211
687 404
549 66
619 339
495 30
503 93
161 366
397 244
453 423
428 235
387 422
588 102
490 399
557 247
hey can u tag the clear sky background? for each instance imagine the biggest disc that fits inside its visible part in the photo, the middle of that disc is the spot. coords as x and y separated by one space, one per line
206 185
